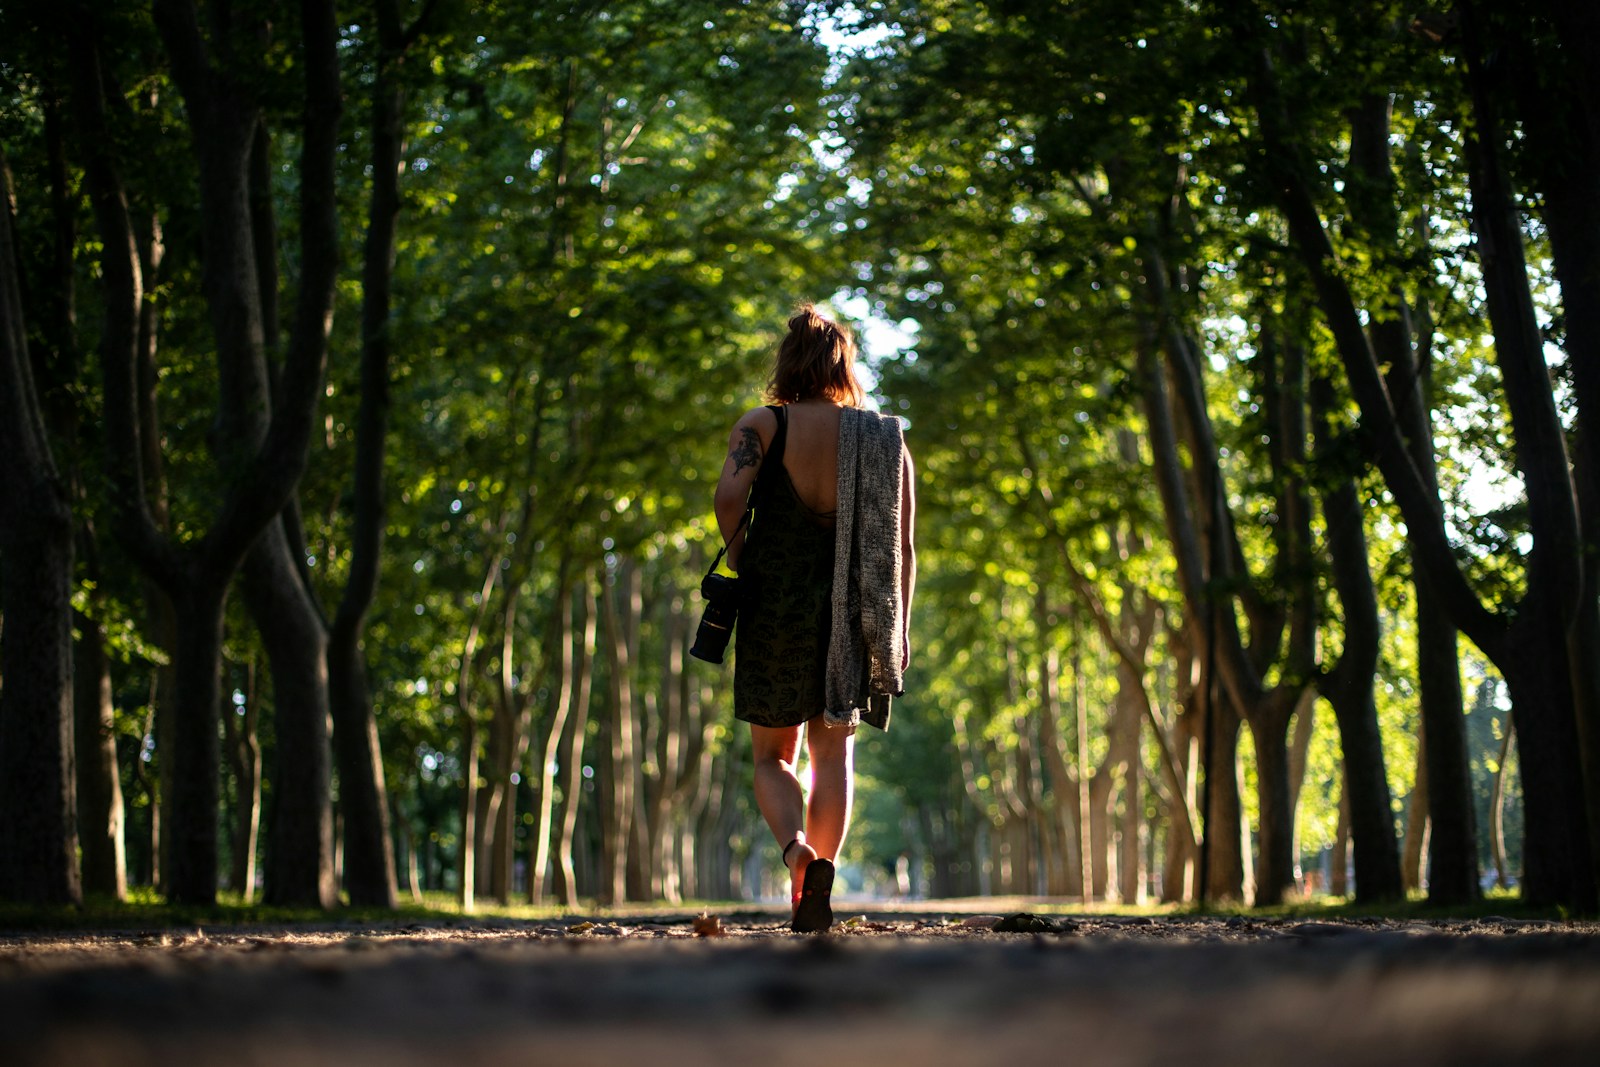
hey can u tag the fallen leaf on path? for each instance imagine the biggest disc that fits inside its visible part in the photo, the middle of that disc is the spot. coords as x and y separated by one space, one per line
709 926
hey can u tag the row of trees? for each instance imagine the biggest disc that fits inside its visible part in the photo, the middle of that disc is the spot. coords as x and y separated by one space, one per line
419 329
451 304
1232 312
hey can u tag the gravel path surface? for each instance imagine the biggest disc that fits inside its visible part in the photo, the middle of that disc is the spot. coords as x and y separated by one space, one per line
931 985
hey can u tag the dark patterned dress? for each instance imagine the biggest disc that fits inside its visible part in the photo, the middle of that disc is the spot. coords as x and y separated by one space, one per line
786 606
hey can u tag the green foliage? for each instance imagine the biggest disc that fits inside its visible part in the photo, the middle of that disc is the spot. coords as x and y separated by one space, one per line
608 210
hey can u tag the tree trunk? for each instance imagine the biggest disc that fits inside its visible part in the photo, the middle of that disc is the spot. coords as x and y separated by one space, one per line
1305 714
299 855
240 731
1415 841
100 810
1497 811
572 748
262 460
547 750
616 782
159 615
1339 863
1555 869
1556 82
1064 877
1365 802
1560 870
369 863
38 836
1101 796
1224 841
1179 867
467 860
1269 729
1397 340
1556 737
189 818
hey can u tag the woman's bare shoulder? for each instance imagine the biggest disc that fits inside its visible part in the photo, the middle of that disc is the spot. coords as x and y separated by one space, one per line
761 418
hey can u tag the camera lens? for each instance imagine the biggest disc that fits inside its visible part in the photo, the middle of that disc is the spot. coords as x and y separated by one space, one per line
716 625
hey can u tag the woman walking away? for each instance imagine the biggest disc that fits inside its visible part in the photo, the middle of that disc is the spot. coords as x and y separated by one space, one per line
826 569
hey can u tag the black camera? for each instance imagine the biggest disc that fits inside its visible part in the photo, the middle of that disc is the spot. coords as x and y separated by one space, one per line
716 625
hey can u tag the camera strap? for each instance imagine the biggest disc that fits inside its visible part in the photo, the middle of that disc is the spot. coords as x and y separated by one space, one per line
744 520
774 452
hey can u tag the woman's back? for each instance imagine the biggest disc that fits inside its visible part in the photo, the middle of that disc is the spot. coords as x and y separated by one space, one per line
811 454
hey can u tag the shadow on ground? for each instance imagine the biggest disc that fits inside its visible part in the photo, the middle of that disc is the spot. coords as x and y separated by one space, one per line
886 987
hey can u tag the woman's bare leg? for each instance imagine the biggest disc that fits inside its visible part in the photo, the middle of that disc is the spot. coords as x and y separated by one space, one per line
830 751
780 796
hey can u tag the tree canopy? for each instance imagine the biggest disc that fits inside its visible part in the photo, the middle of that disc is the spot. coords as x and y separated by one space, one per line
370 365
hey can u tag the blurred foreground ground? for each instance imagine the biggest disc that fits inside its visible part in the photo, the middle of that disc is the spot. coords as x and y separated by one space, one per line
923 984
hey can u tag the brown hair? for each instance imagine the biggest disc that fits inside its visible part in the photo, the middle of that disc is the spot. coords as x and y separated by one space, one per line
815 359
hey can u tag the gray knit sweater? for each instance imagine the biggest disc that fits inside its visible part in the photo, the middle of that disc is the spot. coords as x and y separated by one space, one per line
868 611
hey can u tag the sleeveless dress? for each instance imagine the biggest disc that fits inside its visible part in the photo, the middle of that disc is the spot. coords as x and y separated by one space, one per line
786 604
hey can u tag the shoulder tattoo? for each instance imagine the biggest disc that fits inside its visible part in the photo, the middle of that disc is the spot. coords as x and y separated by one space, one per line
747 453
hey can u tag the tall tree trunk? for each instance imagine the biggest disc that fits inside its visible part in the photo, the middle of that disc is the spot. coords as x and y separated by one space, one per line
467 862
299 859
1211 563
1398 342
1368 809
1559 868
547 749
1061 820
38 836
1550 52
1084 801
1415 841
262 460
100 810
1224 838
1305 714
572 747
1338 873
369 864
1269 730
189 817
1180 864
369 867
617 768
1497 811
1558 739
241 734
159 616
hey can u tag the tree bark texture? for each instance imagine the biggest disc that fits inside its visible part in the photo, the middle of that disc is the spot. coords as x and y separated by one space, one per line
299 856
619 603
572 744
1225 830
369 867
240 734
1348 684
38 836
1414 842
1548 61
1555 797
261 460
191 791
1558 739
101 824
1400 337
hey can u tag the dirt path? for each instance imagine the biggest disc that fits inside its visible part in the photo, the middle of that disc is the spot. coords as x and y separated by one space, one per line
930 986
